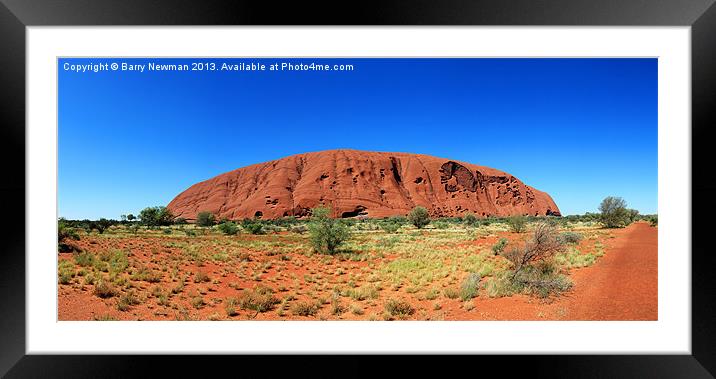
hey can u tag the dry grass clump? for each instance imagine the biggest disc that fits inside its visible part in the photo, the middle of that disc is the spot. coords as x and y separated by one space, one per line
469 286
127 300
303 308
201 277
259 299
451 293
104 289
147 275
399 308
65 272
230 305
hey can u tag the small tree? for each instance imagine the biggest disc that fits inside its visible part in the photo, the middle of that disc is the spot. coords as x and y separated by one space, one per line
326 233
613 212
517 223
205 219
229 228
65 233
632 215
156 216
419 217
130 217
254 226
101 225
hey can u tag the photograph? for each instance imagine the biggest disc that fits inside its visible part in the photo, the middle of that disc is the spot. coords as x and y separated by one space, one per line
359 189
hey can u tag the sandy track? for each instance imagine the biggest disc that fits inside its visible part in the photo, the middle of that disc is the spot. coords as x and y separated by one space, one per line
622 285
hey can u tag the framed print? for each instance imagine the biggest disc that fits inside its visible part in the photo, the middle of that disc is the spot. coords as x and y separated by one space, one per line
472 179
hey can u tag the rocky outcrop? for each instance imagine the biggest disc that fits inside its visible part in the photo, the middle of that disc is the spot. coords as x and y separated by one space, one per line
361 183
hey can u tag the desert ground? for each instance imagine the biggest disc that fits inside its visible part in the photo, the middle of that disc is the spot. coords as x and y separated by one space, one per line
192 273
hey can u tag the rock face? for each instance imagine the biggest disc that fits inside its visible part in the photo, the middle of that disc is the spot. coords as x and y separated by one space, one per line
360 183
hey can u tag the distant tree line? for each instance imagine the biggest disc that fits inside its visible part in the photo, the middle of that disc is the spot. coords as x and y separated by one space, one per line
613 213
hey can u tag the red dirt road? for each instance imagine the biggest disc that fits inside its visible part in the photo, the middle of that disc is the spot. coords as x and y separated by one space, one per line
622 285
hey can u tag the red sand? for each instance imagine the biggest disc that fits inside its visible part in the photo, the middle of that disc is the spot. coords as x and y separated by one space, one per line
621 285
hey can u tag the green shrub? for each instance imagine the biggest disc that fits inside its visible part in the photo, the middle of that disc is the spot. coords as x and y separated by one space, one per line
117 261
499 247
632 216
64 234
253 226
389 226
540 280
229 228
84 259
469 286
399 308
470 219
65 272
613 212
654 220
517 223
101 225
419 217
326 233
205 219
570 237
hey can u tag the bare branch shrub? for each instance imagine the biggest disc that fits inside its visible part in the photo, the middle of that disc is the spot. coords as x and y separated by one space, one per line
545 243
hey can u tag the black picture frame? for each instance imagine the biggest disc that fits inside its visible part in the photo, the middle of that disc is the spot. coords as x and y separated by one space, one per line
16 15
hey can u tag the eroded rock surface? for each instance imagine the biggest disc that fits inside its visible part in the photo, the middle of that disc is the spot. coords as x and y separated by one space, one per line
361 183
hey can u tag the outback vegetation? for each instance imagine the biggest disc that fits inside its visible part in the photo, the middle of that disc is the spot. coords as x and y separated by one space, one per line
321 268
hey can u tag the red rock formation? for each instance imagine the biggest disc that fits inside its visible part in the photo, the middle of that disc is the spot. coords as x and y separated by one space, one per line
361 183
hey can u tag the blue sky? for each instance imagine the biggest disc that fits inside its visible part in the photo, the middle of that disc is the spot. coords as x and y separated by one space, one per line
579 129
